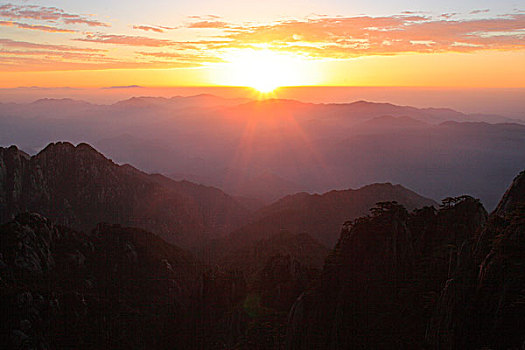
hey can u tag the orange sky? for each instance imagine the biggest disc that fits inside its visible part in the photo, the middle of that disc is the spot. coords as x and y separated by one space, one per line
51 46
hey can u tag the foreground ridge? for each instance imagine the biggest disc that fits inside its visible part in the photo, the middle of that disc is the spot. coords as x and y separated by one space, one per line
444 279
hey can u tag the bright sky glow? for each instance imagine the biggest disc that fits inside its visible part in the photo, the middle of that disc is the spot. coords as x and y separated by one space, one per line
264 70
262 44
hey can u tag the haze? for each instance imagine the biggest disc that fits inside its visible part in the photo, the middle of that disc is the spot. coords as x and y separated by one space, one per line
262 175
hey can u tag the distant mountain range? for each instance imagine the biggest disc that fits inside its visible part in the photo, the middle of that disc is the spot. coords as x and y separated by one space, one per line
264 150
78 187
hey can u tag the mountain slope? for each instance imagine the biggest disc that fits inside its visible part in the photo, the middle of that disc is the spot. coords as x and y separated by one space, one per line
321 216
377 285
115 288
445 279
483 304
79 187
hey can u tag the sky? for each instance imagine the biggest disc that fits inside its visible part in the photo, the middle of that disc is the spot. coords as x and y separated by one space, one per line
262 44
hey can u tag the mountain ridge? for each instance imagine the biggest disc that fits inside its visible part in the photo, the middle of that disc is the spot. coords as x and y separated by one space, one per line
78 186
440 279
319 216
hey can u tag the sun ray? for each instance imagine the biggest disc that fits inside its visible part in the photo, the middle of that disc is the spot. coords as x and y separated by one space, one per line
289 143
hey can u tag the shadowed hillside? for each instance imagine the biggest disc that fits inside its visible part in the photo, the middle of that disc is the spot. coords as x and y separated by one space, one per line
445 279
79 187
321 216
115 288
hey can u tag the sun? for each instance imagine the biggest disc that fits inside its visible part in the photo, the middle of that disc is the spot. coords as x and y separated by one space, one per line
265 70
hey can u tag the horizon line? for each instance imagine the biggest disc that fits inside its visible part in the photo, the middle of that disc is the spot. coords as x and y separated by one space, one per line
135 86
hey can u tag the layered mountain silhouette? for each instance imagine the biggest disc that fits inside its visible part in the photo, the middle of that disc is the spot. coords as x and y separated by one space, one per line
321 216
445 279
95 255
271 148
122 287
77 186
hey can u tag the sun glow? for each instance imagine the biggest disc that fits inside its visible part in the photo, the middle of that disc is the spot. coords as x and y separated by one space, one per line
265 70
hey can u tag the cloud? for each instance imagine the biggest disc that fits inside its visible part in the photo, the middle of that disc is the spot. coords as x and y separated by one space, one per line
209 24
315 37
475 12
129 40
122 87
36 27
43 13
28 56
448 15
42 61
183 56
158 29
346 37
55 61
50 53
29 45
149 28
339 37
207 17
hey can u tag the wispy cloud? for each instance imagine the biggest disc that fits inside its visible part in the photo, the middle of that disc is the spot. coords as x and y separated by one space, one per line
56 61
209 24
129 40
206 17
321 37
157 29
121 87
475 12
30 45
448 15
183 56
50 29
345 37
43 13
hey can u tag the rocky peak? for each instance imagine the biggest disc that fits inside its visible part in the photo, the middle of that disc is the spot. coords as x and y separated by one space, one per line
464 215
65 151
481 306
377 285
513 197
15 151
78 187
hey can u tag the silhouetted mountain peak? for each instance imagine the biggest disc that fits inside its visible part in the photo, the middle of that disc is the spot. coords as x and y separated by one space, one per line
79 187
142 101
62 151
364 103
513 197
376 284
15 151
